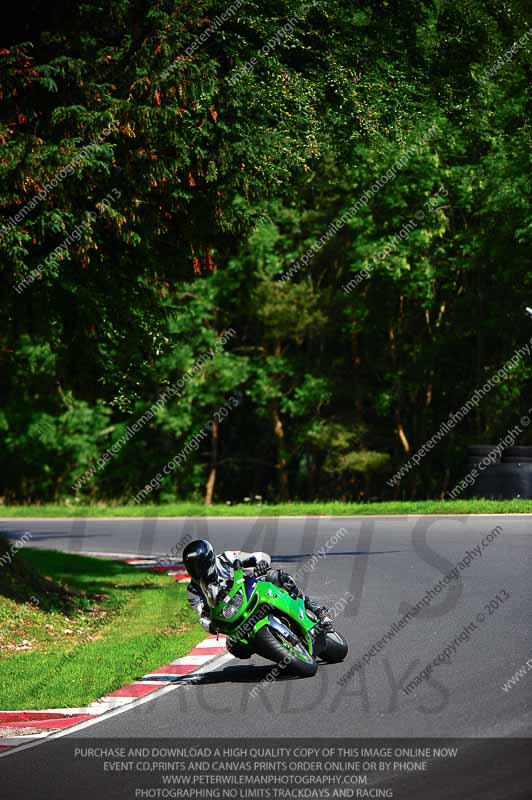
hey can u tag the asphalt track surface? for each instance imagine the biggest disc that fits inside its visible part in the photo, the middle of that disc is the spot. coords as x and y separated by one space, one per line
374 569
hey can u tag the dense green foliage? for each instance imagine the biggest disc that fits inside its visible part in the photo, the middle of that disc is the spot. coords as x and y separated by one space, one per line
197 184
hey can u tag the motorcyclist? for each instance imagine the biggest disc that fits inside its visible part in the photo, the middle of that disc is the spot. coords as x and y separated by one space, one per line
209 573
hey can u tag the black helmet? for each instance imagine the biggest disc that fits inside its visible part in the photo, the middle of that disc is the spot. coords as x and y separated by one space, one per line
199 559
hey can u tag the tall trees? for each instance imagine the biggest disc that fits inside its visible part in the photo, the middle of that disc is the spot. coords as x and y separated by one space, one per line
169 162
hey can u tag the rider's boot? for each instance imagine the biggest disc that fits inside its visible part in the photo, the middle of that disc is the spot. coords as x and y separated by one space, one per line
320 612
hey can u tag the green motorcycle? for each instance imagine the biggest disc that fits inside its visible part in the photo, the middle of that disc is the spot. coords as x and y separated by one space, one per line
270 622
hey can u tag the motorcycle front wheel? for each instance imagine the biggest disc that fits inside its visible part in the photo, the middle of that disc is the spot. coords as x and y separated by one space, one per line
294 658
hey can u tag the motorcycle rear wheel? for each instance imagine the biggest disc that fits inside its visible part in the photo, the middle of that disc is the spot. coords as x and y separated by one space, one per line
335 649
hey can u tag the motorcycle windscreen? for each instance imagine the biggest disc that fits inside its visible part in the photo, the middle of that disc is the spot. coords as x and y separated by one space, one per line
249 584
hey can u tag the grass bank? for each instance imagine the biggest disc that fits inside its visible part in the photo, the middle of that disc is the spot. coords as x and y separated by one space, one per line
74 628
295 509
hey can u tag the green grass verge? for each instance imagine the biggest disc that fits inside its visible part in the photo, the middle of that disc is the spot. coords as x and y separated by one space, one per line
109 625
331 508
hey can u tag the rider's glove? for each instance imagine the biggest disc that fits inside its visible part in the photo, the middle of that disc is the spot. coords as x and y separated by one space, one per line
261 569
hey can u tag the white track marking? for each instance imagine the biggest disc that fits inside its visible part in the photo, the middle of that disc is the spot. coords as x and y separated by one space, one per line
211 643
187 660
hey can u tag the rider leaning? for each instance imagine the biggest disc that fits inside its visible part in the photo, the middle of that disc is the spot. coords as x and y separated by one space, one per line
210 572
